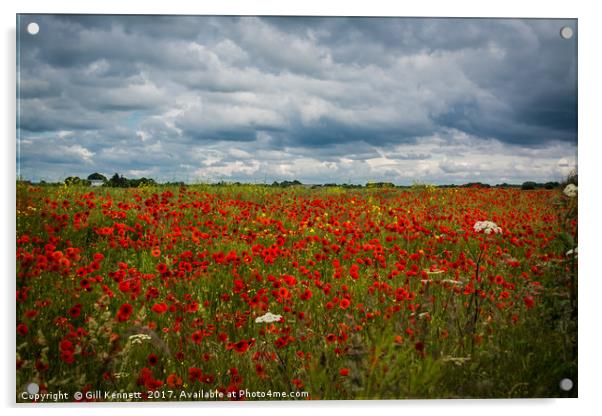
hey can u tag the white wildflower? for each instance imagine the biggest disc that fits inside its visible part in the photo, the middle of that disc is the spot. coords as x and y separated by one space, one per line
456 360
572 252
268 318
453 282
487 227
138 338
570 190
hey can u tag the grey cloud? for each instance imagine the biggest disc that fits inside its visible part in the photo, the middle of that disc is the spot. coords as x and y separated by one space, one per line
351 97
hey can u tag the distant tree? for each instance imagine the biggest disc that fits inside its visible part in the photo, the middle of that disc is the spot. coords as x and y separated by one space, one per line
136 183
476 185
118 181
380 185
75 180
527 186
285 184
72 180
551 185
97 177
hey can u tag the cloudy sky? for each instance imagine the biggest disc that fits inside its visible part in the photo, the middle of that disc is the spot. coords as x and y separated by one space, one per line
315 99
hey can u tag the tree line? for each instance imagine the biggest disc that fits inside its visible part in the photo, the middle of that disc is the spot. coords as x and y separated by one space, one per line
120 181
116 181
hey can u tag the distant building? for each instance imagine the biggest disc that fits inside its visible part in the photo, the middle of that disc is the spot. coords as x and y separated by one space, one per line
96 182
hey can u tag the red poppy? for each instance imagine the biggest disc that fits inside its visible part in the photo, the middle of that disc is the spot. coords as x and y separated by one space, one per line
162 268
195 374
197 337
75 310
159 308
260 370
152 359
41 365
174 380
22 329
124 312
306 295
67 357
66 345
241 346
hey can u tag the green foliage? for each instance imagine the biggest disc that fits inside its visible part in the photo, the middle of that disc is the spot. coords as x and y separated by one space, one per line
118 181
528 186
97 177
286 184
75 181
380 185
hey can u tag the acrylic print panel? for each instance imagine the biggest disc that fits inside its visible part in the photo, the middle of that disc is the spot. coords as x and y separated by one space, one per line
295 208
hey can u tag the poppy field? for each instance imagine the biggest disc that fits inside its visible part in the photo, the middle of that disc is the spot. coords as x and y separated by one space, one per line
249 292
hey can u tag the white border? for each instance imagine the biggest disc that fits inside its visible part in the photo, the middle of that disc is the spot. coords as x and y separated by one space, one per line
590 136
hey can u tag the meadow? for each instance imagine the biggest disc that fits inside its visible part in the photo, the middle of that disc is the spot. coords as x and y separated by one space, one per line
296 293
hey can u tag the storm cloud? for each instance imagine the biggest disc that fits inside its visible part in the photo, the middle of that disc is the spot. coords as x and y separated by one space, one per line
318 99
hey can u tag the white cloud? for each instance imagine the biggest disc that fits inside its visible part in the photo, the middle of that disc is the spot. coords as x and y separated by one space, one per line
78 152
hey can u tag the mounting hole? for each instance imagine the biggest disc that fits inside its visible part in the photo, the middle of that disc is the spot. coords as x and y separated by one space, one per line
33 28
566 32
566 384
33 388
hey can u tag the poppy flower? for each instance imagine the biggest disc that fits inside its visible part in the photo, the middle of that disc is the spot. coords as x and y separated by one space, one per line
22 329
41 365
124 312
241 346
195 374
85 284
67 357
260 370
173 380
159 308
306 295
197 337
66 345
75 310
529 302
152 359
